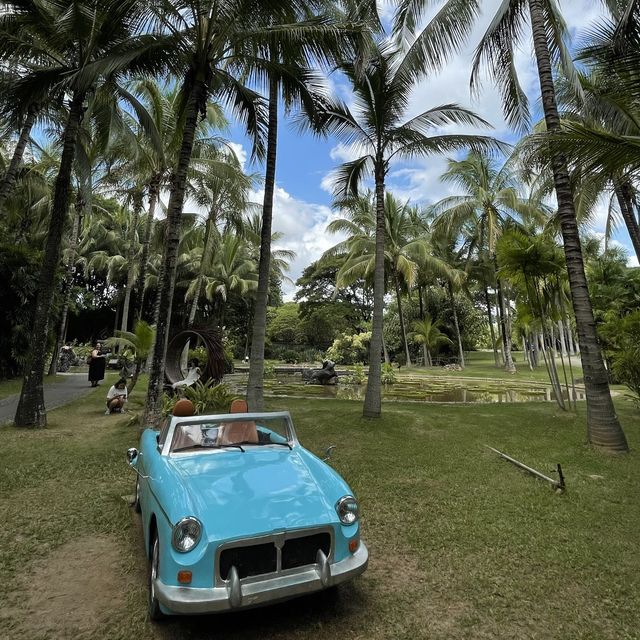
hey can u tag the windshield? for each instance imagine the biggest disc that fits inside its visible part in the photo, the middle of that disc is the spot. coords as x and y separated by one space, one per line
231 432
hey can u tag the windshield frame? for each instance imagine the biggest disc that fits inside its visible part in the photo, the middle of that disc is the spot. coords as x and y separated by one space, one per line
225 417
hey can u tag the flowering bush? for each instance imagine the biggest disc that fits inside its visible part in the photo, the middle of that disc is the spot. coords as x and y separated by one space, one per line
349 349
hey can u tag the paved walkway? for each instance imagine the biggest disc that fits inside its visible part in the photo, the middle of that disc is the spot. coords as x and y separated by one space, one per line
56 394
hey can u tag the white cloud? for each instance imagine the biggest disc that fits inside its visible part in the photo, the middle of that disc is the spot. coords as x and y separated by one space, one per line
633 261
240 152
344 153
304 225
451 85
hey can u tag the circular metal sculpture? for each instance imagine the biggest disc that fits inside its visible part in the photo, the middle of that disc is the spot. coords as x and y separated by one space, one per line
326 375
209 339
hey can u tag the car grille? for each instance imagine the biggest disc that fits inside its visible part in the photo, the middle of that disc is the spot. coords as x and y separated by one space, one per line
300 551
258 559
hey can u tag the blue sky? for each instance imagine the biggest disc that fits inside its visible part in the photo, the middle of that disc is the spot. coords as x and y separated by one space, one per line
302 204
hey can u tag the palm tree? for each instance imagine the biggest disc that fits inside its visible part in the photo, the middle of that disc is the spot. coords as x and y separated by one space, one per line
427 333
290 79
405 248
232 270
68 47
140 342
224 194
450 256
535 263
26 122
446 33
603 110
214 42
491 202
381 82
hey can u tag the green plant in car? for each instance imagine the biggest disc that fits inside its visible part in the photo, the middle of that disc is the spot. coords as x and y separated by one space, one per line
210 397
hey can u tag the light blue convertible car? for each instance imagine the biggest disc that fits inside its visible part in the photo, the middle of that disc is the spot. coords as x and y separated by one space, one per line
236 513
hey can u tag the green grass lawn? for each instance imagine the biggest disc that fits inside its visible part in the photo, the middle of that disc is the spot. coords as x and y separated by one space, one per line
9 387
463 545
480 364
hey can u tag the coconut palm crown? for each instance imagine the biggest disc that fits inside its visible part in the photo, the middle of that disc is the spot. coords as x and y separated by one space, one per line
378 130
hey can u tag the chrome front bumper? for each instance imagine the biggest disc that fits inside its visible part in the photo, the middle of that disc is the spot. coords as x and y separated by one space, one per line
253 592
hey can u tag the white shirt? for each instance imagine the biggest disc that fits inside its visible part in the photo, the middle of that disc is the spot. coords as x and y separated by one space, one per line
115 393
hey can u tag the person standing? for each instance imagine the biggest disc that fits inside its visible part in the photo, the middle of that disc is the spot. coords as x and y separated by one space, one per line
97 365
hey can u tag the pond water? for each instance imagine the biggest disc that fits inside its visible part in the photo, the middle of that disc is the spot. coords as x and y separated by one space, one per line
408 390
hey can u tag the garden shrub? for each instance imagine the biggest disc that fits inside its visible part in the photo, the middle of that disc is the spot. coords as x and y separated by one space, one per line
388 375
357 376
210 397
290 356
200 354
625 359
349 349
19 269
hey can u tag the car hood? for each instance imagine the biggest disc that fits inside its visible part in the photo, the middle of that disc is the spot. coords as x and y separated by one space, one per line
236 494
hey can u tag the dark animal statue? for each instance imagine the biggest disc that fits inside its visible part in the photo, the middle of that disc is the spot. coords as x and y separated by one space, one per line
326 375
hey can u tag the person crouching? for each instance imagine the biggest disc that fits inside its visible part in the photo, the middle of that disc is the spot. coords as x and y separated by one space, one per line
116 397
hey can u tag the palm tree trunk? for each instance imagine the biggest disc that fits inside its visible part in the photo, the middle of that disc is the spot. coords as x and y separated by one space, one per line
9 177
131 270
68 282
551 369
563 342
138 303
31 411
624 195
193 310
425 356
401 319
385 351
570 338
496 357
206 257
372 407
170 255
532 348
566 329
135 376
504 328
255 389
603 426
455 323
552 342
156 315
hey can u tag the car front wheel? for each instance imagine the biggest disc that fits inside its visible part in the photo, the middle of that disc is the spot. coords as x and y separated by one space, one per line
154 606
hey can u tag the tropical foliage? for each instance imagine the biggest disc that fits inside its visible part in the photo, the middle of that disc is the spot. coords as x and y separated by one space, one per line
125 210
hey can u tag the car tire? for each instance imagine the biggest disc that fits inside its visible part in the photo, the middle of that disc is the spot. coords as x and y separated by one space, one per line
155 613
136 499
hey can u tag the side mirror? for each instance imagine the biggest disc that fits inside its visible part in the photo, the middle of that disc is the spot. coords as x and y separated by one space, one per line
328 451
132 454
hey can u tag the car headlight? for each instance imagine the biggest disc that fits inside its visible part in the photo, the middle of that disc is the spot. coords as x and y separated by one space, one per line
347 509
186 534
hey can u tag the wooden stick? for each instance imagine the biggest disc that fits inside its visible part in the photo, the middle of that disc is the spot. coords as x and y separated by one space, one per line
555 483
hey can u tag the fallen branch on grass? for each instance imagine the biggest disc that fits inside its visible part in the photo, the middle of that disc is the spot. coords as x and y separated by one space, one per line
558 485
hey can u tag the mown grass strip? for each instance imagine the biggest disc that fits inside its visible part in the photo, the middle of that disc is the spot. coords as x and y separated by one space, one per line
462 545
